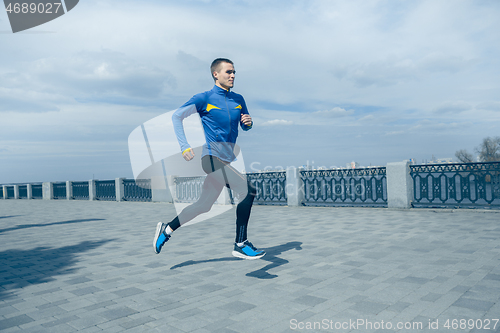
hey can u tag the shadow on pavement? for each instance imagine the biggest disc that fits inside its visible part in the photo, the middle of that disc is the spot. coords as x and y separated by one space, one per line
6 217
25 226
195 262
271 256
21 268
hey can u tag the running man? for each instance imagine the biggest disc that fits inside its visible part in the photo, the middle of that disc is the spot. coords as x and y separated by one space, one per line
221 111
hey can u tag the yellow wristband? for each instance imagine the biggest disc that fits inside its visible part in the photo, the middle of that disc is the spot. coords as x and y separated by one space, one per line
185 151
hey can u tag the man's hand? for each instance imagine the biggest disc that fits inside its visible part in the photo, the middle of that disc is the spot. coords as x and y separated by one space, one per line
246 119
188 154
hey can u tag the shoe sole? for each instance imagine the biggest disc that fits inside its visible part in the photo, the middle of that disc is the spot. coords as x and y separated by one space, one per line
157 234
242 256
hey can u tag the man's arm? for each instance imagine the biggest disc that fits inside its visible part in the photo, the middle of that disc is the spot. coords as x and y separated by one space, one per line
246 122
184 111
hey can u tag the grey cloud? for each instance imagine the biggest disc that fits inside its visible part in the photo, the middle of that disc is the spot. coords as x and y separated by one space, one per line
336 112
493 106
438 62
25 105
393 71
277 122
452 107
191 62
104 75
380 73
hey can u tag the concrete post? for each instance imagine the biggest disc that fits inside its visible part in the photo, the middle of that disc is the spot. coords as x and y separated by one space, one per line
92 190
69 190
16 191
48 191
29 191
294 187
171 188
160 191
399 185
4 191
161 195
119 189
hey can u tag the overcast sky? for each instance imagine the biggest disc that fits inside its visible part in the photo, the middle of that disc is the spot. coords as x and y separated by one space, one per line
325 81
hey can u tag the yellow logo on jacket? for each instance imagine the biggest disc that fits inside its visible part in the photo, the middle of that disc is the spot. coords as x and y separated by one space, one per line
210 107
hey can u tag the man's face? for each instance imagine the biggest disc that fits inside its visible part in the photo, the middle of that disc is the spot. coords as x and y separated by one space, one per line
225 76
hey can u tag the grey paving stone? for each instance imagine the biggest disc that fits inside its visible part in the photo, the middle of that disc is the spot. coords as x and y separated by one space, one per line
85 291
77 280
310 300
369 307
87 321
414 279
237 307
117 313
495 277
362 276
51 304
460 289
473 304
99 305
356 299
210 287
431 297
47 312
137 322
306 281
128 292
6 310
60 321
398 306
15 321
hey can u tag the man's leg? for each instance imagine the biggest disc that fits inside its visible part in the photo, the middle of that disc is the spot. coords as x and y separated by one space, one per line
243 214
212 186
210 191
245 194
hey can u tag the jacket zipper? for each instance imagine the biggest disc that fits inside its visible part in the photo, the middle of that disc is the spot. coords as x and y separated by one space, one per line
228 114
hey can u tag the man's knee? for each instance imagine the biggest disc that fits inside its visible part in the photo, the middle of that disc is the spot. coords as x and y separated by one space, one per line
205 208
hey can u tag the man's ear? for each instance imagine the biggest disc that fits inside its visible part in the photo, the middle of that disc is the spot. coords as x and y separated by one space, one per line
215 75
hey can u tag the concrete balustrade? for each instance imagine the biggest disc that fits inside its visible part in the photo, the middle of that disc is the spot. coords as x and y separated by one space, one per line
399 188
48 191
399 185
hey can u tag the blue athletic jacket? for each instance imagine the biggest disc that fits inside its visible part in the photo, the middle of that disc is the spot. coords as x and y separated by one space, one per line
220 111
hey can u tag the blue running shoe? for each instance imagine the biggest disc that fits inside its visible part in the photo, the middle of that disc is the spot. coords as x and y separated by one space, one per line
160 237
247 251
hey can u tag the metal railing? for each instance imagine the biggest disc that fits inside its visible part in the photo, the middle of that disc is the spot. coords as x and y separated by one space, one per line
188 189
105 190
10 192
137 190
59 190
456 185
270 187
37 191
80 190
345 187
23 191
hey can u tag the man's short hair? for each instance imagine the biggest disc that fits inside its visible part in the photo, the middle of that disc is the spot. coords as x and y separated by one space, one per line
216 63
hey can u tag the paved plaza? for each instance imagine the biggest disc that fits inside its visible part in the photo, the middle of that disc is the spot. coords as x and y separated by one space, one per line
69 266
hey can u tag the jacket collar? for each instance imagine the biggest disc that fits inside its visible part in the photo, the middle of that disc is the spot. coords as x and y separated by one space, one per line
219 90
